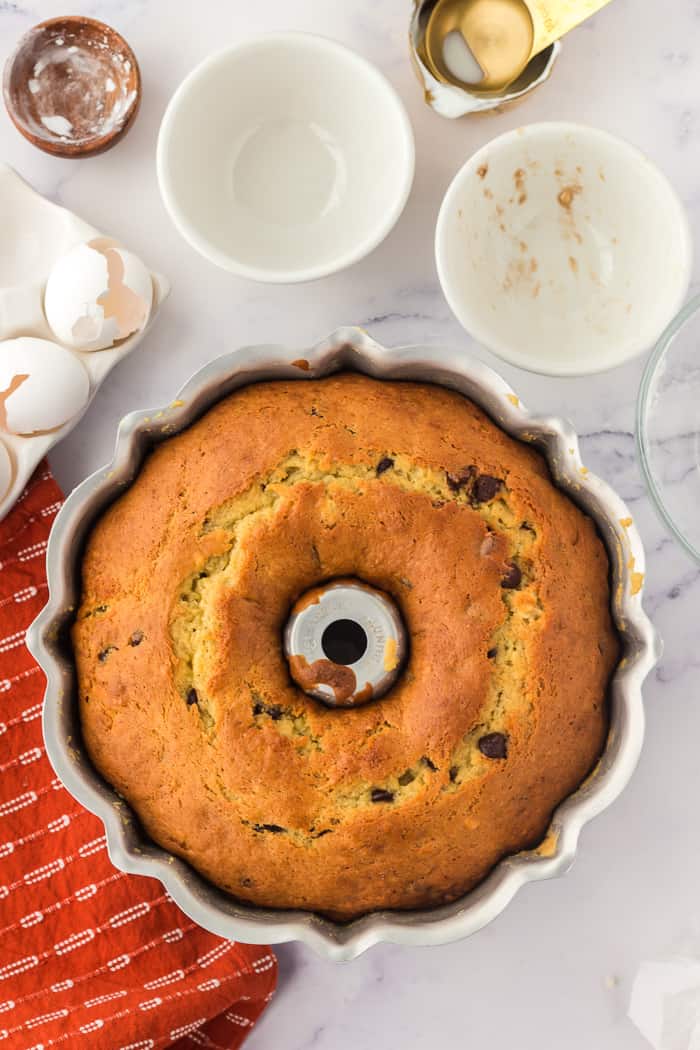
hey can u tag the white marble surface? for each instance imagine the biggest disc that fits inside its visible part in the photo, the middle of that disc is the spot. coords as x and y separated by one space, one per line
539 977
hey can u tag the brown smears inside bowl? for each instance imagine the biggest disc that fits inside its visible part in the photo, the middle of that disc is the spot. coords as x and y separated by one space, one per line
72 86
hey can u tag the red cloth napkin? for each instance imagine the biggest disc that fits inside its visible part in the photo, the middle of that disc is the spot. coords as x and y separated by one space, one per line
89 957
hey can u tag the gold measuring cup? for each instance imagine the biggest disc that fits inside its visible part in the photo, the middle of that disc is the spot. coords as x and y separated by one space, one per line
485 45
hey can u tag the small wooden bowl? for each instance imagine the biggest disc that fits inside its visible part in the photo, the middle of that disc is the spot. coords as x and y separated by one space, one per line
72 86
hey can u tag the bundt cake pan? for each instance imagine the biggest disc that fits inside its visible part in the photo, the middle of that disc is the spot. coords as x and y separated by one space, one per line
132 851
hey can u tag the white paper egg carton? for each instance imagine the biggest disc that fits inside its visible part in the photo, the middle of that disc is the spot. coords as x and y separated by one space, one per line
34 233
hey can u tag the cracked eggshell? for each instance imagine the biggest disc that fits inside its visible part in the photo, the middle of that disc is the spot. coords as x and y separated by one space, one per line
5 471
97 294
42 386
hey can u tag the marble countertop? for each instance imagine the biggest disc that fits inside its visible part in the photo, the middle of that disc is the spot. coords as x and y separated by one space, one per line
555 969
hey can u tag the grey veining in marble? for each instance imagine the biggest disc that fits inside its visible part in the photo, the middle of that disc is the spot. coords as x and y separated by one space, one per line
538 978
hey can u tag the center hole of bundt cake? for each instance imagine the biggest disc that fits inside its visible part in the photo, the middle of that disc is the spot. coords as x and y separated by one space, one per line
344 642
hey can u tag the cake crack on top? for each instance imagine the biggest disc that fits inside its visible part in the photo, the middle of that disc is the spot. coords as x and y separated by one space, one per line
236 517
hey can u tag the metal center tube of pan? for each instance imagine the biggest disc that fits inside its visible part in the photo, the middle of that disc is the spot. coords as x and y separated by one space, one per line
345 642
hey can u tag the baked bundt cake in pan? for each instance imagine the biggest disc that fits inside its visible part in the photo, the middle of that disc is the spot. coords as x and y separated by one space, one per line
291 782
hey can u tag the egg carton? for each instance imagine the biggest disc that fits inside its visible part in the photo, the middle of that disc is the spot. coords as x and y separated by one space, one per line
36 233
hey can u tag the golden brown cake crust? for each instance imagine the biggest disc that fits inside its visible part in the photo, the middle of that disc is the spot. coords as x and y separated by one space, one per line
186 701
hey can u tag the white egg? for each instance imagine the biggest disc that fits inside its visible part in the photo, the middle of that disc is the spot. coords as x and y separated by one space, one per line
97 294
42 385
5 471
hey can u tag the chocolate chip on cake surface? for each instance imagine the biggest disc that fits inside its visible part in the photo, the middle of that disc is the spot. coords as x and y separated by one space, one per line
104 653
492 653
136 638
407 778
485 488
382 795
383 465
271 710
275 829
429 763
494 745
191 697
453 773
460 480
512 577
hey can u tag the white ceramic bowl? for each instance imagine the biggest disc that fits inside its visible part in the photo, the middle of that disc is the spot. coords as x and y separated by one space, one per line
562 249
285 158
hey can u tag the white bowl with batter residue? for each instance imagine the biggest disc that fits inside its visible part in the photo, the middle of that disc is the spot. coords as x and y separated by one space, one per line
562 249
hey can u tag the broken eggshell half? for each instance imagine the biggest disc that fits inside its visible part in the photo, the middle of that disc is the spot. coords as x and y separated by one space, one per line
42 386
97 294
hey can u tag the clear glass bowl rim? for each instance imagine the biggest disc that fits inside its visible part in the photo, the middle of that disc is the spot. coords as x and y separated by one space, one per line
691 308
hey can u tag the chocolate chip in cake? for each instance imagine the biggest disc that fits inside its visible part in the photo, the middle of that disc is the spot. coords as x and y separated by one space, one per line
382 795
485 488
275 829
104 653
512 577
427 762
406 778
326 831
191 697
453 773
527 527
246 882
492 653
494 745
272 711
455 482
136 638
383 465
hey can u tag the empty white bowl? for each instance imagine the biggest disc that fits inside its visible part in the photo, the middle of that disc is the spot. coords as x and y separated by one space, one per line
285 158
563 249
